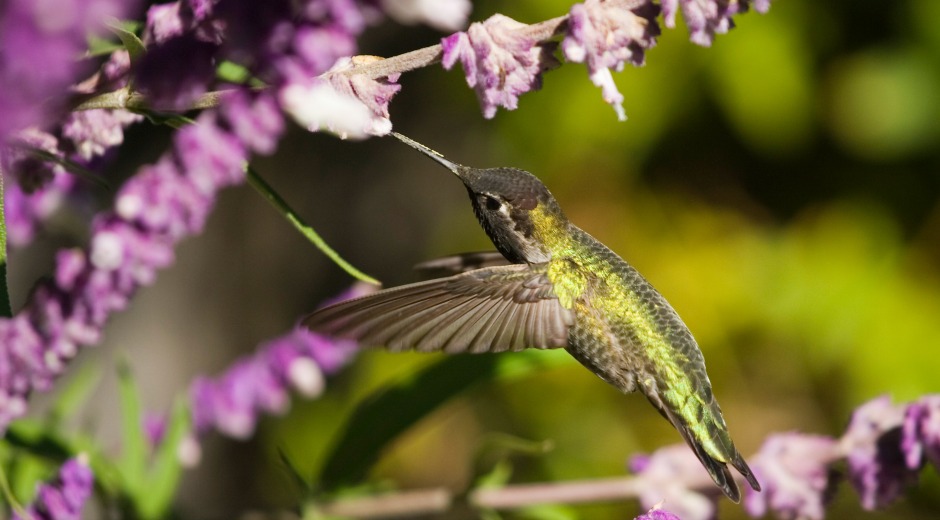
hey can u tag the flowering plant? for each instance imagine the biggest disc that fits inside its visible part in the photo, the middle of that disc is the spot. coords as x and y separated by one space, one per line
245 68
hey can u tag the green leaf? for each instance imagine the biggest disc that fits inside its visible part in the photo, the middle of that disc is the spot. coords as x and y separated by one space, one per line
392 410
232 72
133 460
134 45
164 476
98 46
32 436
384 415
493 465
75 393
295 475
497 477
549 512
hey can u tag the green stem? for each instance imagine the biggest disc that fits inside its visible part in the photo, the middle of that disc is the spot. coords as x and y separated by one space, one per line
280 204
8 494
6 310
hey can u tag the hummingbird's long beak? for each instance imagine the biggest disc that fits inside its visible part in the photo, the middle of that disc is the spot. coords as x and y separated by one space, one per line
456 168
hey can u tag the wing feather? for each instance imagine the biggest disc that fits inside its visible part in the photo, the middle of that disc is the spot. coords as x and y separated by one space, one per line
494 309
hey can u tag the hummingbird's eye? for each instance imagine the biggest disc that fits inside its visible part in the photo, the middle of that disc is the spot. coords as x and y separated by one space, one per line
492 203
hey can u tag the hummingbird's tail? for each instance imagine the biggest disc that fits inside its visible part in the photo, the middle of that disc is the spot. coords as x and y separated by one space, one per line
711 443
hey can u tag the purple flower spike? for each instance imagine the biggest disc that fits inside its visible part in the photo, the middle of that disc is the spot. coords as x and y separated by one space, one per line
920 437
39 43
706 18
605 37
872 445
667 478
500 63
261 383
65 496
794 472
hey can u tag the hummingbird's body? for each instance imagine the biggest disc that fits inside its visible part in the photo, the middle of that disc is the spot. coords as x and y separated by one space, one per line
563 288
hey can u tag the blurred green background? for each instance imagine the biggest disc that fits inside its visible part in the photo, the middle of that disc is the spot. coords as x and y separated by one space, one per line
780 189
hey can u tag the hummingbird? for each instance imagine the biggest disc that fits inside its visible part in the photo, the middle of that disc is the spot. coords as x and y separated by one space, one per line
549 285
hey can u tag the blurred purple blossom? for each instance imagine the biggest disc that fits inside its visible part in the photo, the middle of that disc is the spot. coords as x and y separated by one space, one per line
920 438
794 472
706 18
872 447
38 187
154 426
261 383
499 61
93 132
163 22
64 497
669 477
51 34
656 513
605 37
349 106
175 72
42 186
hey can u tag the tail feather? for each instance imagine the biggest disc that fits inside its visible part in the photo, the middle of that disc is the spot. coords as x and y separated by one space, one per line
717 468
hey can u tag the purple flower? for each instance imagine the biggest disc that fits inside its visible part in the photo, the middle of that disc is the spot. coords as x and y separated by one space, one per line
154 426
349 106
668 478
176 72
920 438
499 61
93 132
255 119
795 476
163 22
872 444
64 497
706 18
51 34
40 186
605 37
657 514
261 383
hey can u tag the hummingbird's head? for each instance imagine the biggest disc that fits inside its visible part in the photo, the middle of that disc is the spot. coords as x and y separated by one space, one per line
507 202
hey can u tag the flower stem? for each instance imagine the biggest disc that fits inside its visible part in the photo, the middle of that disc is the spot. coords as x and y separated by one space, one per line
6 310
435 501
281 205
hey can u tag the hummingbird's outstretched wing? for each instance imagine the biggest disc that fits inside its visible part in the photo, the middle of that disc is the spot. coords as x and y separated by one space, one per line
456 264
494 309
